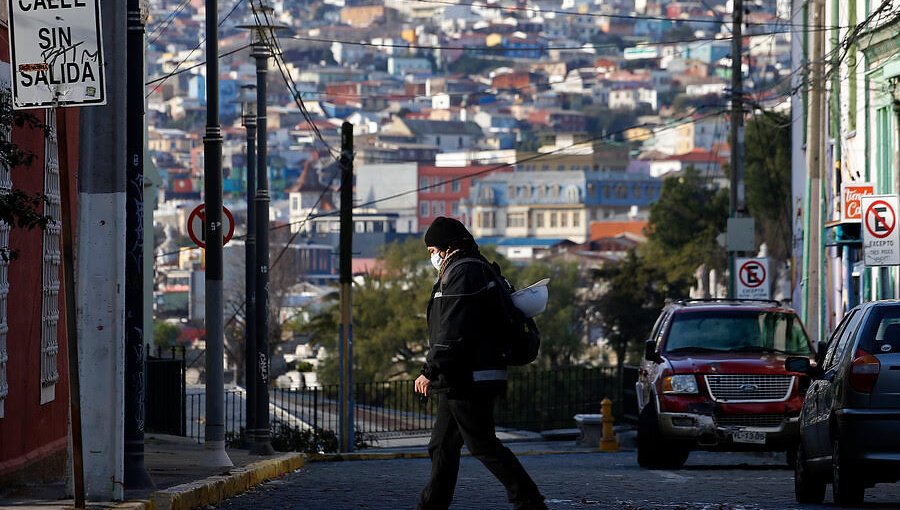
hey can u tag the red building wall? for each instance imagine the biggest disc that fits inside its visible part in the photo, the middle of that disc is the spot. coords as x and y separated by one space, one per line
446 196
33 437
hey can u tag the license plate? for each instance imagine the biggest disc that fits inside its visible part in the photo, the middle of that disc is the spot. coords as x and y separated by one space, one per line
748 436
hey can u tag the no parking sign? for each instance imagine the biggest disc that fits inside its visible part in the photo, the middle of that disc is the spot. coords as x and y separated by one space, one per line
752 280
881 237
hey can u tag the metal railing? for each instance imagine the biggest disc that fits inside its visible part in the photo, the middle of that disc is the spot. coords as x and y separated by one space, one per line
535 400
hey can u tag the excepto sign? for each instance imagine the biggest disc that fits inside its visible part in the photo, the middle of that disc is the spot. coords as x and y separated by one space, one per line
56 53
851 210
752 280
197 226
881 238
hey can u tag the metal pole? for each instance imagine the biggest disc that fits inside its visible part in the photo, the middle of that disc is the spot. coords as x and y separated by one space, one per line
814 153
250 275
68 293
736 202
263 440
136 476
212 174
346 279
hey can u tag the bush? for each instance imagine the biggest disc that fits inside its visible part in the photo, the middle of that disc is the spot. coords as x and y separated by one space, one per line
289 439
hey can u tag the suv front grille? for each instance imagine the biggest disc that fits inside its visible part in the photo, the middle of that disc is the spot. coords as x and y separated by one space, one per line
749 388
750 420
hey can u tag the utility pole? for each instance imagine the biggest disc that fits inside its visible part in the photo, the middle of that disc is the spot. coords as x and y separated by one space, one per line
215 327
346 280
736 202
250 113
136 476
262 30
814 161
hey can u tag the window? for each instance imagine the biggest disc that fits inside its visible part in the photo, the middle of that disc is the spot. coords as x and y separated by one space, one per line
576 219
515 220
437 141
423 209
539 219
553 220
454 209
564 219
5 187
487 219
455 186
459 143
52 259
295 203
423 182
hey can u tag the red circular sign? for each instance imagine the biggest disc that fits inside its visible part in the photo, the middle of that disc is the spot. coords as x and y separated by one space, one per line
752 274
880 219
197 226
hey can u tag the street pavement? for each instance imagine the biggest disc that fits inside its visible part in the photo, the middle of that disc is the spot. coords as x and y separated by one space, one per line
570 478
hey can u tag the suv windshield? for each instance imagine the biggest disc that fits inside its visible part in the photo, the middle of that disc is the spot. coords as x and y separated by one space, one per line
737 331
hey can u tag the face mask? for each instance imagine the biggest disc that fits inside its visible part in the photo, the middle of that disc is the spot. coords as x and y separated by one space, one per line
437 260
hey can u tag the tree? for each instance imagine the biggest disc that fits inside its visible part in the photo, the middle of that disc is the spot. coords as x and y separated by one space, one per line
165 334
561 324
682 230
18 208
633 294
767 170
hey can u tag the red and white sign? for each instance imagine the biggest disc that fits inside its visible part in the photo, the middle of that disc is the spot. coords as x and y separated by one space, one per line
752 278
851 210
197 226
881 237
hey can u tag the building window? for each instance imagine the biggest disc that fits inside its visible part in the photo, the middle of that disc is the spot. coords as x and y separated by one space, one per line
423 182
423 209
621 191
487 219
455 186
515 220
295 204
636 191
52 260
437 208
454 209
553 220
5 187
564 219
539 219
576 219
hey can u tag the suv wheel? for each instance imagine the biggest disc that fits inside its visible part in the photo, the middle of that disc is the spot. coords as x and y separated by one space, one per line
807 488
652 451
847 488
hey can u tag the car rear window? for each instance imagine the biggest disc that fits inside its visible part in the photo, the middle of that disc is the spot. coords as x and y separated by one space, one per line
881 332
736 331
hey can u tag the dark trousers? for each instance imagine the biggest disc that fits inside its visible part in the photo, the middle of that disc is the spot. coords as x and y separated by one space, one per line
471 421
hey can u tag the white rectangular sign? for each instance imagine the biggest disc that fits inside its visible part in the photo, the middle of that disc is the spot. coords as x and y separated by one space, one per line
752 278
880 235
56 53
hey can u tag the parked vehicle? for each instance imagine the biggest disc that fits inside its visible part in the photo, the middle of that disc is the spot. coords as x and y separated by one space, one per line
851 414
713 378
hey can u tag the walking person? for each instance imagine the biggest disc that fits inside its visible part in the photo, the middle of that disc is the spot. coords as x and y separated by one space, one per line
465 371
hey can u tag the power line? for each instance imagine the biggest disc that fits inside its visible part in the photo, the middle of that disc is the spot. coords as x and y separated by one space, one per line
162 27
194 66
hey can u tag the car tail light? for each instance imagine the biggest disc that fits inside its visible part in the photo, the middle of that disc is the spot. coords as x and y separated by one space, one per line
864 372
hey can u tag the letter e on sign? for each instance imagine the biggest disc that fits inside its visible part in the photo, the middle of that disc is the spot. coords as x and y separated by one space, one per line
880 235
752 280
56 53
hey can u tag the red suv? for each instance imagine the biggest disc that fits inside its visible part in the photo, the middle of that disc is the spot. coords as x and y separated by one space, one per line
713 378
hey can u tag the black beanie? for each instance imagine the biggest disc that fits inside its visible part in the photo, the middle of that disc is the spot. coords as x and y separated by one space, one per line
444 231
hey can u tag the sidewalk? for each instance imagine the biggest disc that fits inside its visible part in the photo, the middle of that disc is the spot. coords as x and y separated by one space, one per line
182 482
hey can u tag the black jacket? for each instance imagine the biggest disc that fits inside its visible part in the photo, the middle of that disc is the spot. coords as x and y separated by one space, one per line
465 343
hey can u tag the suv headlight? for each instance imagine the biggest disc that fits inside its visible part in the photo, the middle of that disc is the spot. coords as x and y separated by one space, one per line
681 383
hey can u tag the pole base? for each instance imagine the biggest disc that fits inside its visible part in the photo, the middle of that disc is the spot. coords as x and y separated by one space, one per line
215 455
136 476
262 444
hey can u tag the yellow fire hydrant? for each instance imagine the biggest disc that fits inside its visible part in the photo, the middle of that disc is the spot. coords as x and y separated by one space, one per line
608 442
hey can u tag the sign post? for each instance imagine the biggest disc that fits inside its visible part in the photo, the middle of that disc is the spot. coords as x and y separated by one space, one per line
881 238
56 53
752 280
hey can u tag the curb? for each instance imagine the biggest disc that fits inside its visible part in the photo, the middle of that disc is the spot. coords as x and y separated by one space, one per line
214 489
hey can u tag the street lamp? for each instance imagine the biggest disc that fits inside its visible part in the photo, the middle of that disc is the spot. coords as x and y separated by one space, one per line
262 31
248 115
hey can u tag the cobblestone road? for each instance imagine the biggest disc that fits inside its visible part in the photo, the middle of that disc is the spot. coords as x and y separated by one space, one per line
709 481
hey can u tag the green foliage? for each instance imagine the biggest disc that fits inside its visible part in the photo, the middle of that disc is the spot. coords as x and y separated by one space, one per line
304 366
767 171
289 439
633 295
682 230
165 334
560 325
468 64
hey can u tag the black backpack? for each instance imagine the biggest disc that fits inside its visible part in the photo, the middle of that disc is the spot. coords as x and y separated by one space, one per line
522 338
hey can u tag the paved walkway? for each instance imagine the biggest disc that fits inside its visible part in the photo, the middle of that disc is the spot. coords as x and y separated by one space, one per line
175 464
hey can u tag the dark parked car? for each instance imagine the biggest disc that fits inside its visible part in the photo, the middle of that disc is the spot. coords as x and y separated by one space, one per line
850 423
713 378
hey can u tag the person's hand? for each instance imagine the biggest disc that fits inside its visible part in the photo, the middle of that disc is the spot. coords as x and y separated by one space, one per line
423 384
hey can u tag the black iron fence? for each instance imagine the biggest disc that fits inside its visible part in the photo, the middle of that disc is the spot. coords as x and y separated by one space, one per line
535 400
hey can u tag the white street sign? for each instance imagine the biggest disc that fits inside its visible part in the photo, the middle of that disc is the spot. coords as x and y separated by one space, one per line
752 280
881 237
56 53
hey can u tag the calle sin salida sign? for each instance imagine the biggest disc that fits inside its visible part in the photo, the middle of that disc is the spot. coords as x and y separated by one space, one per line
56 53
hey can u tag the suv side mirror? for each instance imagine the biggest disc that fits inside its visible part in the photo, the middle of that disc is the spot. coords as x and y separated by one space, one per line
798 364
650 351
